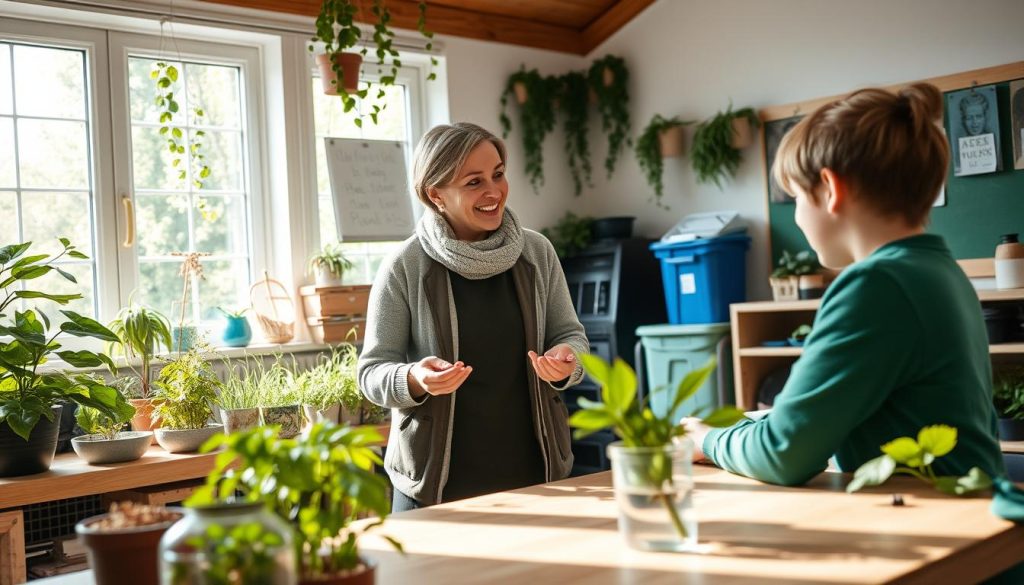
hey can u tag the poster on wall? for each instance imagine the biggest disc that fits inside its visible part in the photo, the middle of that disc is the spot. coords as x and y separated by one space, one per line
974 131
773 133
1017 117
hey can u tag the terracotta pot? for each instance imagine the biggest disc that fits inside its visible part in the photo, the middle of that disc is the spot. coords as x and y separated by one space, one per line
519 89
367 575
742 133
349 64
607 77
670 142
143 419
122 557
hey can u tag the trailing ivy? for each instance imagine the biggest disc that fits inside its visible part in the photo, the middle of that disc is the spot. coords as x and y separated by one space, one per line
648 152
714 157
613 103
574 103
536 119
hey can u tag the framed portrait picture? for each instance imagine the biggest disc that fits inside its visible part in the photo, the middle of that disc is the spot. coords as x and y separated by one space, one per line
973 116
1017 122
773 133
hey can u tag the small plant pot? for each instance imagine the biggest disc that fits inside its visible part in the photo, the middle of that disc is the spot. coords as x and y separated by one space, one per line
811 286
742 133
607 76
143 419
289 418
185 440
519 89
313 416
237 332
349 64
785 288
351 417
325 277
240 419
127 446
670 142
127 556
365 574
21 457
1011 429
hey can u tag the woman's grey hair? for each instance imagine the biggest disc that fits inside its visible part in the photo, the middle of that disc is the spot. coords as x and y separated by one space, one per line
441 153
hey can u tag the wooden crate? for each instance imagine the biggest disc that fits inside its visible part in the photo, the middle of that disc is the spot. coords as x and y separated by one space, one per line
336 330
335 301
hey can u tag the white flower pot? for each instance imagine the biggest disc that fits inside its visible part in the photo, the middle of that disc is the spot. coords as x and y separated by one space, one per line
126 446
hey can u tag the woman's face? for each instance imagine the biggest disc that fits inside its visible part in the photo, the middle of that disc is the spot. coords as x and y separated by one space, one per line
974 119
474 202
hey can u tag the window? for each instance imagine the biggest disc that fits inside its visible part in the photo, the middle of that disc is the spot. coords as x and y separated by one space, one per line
46 170
397 122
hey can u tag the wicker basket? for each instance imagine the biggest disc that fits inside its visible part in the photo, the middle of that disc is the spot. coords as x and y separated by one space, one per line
274 309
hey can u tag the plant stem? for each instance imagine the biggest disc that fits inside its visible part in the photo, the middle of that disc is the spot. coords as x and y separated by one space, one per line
673 514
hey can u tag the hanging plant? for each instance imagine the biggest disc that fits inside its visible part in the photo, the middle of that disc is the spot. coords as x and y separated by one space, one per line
608 79
716 153
535 95
421 25
653 146
574 103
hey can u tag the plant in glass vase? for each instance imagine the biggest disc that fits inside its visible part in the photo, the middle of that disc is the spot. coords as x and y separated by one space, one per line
651 466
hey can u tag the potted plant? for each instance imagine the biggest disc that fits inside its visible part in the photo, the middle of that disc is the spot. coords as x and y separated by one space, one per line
535 96
651 466
608 79
661 139
279 397
122 544
237 332
239 399
329 265
574 104
105 442
330 391
184 393
799 335
30 400
570 235
318 483
373 414
141 332
716 144
1008 396
785 279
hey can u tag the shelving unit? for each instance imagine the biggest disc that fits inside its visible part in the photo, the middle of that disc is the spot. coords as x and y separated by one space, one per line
754 323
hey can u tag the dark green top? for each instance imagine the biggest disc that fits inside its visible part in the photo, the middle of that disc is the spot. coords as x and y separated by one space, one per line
898 344
494 445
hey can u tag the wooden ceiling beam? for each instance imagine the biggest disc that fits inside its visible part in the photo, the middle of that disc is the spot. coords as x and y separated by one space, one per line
450 21
612 20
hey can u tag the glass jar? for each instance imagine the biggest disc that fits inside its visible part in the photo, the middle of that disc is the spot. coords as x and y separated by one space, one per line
654 490
227 544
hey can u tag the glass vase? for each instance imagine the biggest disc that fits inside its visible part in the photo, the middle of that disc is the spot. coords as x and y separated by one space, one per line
228 543
654 490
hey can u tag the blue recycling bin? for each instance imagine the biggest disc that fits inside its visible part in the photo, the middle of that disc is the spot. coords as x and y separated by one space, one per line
703 277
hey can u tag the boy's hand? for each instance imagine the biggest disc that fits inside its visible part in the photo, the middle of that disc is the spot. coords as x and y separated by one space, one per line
432 375
696 430
557 363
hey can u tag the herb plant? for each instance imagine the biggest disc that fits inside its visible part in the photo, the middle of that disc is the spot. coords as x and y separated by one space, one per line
536 119
612 103
140 332
333 381
803 262
185 390
1008 393
96 422
574 104
331 259
907 456
570 235
648 151
714 157
637 425
240 390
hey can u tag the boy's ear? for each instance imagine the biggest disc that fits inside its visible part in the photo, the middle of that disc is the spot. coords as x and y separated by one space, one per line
835 191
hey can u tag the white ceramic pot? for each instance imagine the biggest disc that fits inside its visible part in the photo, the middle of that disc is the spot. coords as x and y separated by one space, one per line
127 446
185 440
325 277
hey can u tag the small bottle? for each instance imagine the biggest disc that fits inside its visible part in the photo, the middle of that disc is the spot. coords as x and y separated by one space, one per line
1009 262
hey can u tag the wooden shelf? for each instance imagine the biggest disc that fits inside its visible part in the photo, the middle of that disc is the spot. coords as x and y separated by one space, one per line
770 351
1006 348
1012 446
1013 294
776 306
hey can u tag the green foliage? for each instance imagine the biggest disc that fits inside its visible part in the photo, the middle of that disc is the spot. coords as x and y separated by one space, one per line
331 259
277 385
240 389
374 414
574 104
165 75
97 422
233 313
421 26
184 392
613 104
714 157
1008 393
536 118
318 483
803 262
140 332
648 151
801 332
907 456
333 381
570 235
25 394
241 554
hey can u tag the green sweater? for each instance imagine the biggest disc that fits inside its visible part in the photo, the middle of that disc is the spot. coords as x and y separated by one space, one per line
898 344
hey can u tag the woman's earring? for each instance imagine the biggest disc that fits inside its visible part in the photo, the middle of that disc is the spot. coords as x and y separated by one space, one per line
440 209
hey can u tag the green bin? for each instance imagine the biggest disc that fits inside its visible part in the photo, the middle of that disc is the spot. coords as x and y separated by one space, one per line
672 351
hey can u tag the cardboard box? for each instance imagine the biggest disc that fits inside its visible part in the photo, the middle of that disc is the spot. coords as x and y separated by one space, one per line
335 301
334 330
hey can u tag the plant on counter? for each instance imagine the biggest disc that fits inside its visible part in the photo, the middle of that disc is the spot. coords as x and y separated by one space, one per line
331 383
185 392
574 104
799 264
141 332
649 151
570 235
649 439
714 154
535 95
907 456
102 425
609 79
105 441
318 483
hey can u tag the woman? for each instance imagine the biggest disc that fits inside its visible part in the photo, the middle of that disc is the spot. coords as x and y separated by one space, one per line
470 332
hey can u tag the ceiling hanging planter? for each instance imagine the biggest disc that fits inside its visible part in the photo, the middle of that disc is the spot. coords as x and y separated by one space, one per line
348 64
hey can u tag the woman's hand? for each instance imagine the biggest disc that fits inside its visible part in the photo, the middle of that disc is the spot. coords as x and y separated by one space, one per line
432 375
556 364
696 430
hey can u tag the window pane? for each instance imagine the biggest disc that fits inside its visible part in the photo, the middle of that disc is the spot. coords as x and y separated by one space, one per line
142 91
165 218
9 216
6 81
49 216
152 162
391 123
49 82
214 89
328 223
159 285
226 285
220 225
54 283
53 154
357 275
8 178
223 154
329 117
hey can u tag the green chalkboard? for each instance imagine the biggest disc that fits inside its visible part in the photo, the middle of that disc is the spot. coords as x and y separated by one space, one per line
978 208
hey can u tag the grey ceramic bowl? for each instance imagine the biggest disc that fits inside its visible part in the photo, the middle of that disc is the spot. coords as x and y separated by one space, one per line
128 446
185 440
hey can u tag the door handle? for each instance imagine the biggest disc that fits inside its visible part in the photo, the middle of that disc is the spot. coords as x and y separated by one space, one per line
129 226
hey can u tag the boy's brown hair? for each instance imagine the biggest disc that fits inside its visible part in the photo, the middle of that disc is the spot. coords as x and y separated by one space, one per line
888 146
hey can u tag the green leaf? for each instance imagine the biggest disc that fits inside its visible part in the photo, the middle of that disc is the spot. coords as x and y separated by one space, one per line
904 450
937 439
725 416
592 420
975 480
691 383
86 359
596 368
29 260
82 326
621 389
67 275
60 299
172 72
873 472
78 255
12 251
30 272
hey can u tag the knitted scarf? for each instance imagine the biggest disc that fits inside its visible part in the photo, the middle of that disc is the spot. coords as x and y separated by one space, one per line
473 260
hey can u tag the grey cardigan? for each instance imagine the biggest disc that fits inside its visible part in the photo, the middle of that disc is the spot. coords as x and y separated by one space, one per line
411 317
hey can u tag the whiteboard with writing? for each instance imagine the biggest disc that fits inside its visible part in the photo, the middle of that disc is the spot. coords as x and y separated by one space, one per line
370 188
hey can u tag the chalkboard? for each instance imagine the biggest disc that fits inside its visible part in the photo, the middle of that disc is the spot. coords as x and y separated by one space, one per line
978 208
370 185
